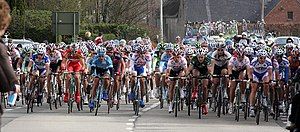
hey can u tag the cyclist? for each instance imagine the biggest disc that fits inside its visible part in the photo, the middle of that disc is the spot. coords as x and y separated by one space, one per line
219 63
261 70
140 66
177 67
75 63
102 66
162 66
119 68
237 66
41 67
55 62
283 74
200 66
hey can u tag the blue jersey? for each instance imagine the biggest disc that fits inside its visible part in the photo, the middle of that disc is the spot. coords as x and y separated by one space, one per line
261 67
40 64
164 62
284 69
105 64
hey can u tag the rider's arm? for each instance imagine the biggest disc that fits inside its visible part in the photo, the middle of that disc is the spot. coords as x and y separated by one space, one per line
122 63
212 66
19 63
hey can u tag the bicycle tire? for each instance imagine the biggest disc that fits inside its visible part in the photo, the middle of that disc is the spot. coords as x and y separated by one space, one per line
98 102
258 109
118 100
30 100
200 100
176 100
266 114
147 92
188 100
276 105
136 107
55 103
219 103
161 97
237 105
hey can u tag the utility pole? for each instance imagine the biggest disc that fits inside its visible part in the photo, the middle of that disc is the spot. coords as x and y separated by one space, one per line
161 22
262 17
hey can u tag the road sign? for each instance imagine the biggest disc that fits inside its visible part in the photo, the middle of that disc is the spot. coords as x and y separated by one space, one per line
65 23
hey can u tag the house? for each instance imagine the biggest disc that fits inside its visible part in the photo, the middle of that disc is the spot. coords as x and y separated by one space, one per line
179 12
284 17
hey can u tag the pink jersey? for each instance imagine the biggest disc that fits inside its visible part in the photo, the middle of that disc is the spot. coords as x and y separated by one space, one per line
239 65
177 66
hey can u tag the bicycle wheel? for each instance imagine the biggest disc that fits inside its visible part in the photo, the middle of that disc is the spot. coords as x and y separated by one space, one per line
161 100
176 100
188 100
219 103
29 103
136 107
266 114
237 105
118 99
147 91
258 109
99 92
276 105
199 101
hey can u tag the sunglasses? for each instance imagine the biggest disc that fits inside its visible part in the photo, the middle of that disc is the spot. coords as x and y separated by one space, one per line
262 57
220 49
190 56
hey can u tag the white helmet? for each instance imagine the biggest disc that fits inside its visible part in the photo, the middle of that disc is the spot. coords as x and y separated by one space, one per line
249 51
169 46
189 51
289 45
220 45
122 42
101 51
41 50
262 52
279 51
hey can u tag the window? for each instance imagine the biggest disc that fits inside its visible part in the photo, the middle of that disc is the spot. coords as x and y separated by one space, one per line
290 15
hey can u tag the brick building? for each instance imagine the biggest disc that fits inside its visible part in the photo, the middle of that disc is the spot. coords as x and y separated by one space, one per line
281 16
284 17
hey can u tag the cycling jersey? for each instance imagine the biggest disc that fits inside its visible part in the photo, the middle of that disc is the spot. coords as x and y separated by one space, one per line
239 65
139 63
284 69
260 69
102 67
40 65
163 62
201 67
73 60
55 60
116 59
221 60
177 66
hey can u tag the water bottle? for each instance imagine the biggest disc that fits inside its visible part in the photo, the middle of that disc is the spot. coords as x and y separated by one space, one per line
12 98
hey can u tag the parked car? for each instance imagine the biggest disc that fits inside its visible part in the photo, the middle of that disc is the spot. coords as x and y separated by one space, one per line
281 41
23 42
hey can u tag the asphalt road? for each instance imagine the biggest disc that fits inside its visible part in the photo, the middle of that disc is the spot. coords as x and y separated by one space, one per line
151 118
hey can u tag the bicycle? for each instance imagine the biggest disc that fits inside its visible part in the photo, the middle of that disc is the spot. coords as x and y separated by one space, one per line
221 101
200 100
258 105
72 87
162 92
237 99
99 92
34 93
137 92
177 94
54 97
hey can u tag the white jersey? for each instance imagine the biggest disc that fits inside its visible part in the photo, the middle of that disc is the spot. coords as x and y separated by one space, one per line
221 60
177 66
261 67
54 58
239 65
140 61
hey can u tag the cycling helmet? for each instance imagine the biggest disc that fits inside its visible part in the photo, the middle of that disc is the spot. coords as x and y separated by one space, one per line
136 47
201 51
122 42
169 46
240 52
279 52
213 45
176 51
143 49
186 42
220 45
101 51
160 46
110 46
41 50
27 49
240 46
205 50
269 50
189 51
85 51
289 45
127 48
229 42
249 51
262 52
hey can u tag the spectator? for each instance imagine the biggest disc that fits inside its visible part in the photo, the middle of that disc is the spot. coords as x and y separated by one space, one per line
7 75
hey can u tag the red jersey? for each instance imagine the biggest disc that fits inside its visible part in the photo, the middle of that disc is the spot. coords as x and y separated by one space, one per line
73 57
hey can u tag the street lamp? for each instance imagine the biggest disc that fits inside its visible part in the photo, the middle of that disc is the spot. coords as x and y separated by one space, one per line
161 22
